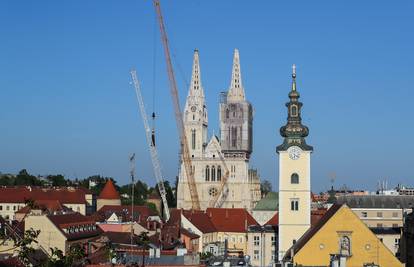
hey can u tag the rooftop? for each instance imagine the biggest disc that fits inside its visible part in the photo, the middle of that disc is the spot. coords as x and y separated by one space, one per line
377 201
269 202
109 191
20 194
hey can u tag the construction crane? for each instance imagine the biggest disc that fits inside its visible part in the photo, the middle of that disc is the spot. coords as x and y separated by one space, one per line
220 197
178 114
151 145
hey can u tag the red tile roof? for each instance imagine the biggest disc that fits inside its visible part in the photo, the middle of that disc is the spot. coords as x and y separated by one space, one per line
230 220
109 191
141 213
66 195
200 220
45 205
316 215
86 226
274 221
191 235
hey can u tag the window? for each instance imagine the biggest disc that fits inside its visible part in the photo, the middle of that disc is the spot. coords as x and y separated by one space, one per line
212 192
379 224
1 207
218 173
227 113
233 239
212 250
364 214
233 136
294 110
14 207
294 204
241 239
7 207
395 214
207 173
193 138
213 173
273 239
395 225
396 242
379 214
256 240
256 255
219 238
294 178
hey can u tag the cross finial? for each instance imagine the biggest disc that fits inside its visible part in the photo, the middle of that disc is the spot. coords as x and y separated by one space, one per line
293 77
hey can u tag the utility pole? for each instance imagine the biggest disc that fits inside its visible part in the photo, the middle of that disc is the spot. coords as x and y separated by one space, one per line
132 173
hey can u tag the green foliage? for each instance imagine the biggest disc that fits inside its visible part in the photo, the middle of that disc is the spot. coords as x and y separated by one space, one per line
74 257
141 192
265 187
206 255
57 180
171 198
151 206
25 246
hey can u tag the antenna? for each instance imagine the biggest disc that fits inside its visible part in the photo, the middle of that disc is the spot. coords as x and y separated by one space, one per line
132 173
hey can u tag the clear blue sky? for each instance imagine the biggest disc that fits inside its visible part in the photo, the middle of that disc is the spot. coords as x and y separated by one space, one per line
67 105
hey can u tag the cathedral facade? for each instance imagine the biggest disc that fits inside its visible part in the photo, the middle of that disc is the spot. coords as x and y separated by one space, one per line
214 158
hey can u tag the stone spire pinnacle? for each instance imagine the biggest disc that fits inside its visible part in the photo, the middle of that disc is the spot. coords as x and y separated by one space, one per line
196 88
236 91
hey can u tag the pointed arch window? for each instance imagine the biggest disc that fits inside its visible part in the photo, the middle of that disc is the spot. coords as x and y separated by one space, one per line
227 113
207 173
213 173
218 173
193 138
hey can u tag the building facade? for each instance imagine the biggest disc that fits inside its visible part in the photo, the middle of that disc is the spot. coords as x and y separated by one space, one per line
214 157
294 175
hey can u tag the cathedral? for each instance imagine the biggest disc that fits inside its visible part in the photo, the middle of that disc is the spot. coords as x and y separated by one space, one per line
226 154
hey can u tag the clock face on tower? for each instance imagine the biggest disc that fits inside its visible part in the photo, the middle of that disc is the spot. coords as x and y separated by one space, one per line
294 152
193 108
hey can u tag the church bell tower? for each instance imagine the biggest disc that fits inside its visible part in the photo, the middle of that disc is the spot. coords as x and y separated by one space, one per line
294 175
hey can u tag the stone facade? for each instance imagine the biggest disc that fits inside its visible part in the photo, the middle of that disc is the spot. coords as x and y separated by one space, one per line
234 146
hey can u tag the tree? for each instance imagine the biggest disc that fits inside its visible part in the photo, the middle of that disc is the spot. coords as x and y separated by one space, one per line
143 241
24 178
171 199
26 249
57 180
265 187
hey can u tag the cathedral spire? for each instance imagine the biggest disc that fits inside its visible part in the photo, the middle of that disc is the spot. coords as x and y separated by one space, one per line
236 91
196 88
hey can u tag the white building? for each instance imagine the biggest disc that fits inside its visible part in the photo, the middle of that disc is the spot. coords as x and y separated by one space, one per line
235 144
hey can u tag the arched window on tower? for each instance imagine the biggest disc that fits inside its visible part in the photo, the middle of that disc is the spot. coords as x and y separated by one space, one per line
294 110
207 173
218 173
213 173
193 138
227 113
294 178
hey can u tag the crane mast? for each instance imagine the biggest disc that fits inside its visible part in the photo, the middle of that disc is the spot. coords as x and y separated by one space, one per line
153 151
220 197
178 114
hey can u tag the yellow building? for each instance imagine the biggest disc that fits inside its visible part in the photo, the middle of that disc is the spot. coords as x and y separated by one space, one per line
341 234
